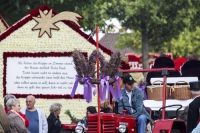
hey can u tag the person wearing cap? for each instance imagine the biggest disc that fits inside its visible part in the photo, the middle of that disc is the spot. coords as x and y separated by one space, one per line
132 102
194 106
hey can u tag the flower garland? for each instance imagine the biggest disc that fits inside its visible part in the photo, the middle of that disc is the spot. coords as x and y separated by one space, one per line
35 13
35 55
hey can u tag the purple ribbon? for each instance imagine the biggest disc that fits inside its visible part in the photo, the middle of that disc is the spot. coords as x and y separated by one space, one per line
75 86
118 91
104 85
142 87
87 88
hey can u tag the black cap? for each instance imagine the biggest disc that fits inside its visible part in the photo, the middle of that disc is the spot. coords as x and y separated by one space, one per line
128 79
195 85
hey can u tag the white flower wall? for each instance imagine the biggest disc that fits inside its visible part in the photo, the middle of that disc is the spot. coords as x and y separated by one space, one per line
63 40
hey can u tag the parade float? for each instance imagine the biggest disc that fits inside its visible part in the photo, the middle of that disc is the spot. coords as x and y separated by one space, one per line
37 58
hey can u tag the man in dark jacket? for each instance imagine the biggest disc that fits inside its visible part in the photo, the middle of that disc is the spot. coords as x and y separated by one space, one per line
194 106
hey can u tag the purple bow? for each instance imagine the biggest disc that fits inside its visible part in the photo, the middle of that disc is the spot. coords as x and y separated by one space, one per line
75 86
87 88
104 85
118 91
142 87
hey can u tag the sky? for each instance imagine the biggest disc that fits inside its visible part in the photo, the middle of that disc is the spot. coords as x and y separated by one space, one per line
112 21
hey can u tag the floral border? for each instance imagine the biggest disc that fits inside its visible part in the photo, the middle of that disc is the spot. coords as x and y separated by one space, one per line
34 55
35 13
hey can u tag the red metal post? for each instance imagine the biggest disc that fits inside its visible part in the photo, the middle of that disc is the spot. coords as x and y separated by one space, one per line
98 95
164 96
148 70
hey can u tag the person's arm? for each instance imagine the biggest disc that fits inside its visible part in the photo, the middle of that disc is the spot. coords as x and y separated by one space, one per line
44 123
4 120
50 123
120 106
139 104
197 129
20 125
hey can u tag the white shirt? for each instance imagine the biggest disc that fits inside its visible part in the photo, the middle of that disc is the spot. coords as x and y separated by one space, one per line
43 125
129 98
197 129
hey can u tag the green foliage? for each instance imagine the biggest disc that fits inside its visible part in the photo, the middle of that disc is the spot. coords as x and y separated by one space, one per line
156 25
187 43
72 117
93 11
131 40
159 22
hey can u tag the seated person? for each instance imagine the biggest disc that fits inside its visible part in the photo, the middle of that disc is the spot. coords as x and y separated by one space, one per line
138 76
132 102
183 114
90 110
162 62
192 57
192 72
106 107
189 65
194 106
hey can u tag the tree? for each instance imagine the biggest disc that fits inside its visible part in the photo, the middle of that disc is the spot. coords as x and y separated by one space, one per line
155 22
131 40
158 21
187 43
93 11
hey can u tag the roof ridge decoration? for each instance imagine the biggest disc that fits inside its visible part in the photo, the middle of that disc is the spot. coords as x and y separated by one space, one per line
46 22
35 13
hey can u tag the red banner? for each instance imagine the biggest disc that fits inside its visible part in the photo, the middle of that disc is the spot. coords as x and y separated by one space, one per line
135 60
